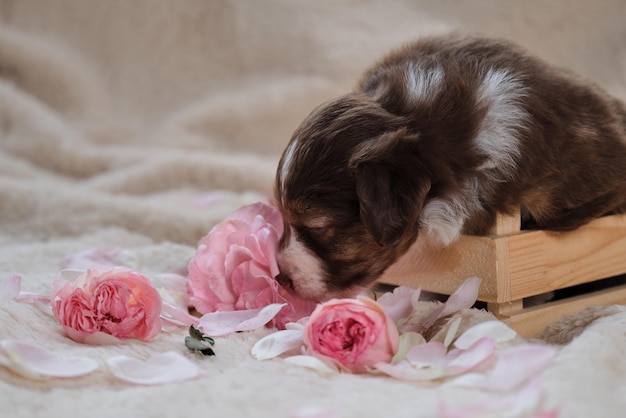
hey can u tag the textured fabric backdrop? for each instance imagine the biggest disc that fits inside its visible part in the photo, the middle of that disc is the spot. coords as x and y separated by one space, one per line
117 118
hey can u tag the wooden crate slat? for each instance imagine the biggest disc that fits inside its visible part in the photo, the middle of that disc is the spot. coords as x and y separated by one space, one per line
540 261
442 270
530 321
518 264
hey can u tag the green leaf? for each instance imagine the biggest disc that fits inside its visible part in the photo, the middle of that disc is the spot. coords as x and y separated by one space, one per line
195 333
199 345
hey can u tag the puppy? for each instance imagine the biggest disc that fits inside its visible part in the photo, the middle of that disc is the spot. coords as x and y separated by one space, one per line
438 137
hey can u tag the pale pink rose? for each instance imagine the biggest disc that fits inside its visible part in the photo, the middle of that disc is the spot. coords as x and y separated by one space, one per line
235 266
354 333
112 300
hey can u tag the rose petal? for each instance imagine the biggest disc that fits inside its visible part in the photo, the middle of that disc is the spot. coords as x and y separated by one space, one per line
36 362
463 297
399 303
217 324
313 363
32 298
497 330
173 289
431 354
453 327
277 343
404 370
176 315
161 368
406 341
513 367
461 361
97 338
522 404
10 288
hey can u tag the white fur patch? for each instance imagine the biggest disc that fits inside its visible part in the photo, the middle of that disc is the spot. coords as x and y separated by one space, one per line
444 219
287 162
498 137
303 267
423 84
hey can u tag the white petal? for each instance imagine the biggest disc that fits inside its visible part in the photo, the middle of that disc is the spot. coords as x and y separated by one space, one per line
463 297
453 327
97 338
520 404
159 369
32 298
177 316
497 330
294 325
277 343
403 370
312 363
217 324
37 362
461 361
431 354
399 303
10 288
407 340
513 367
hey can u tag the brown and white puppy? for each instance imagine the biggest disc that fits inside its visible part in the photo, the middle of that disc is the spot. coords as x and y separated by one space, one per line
438 137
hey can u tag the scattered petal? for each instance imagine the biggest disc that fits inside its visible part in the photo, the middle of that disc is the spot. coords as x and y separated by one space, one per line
35 362
513 367
430 361
97 338
461 361
463 297
10 288
522 404
453 328
403 370
277 343
431 354
400 303
173 289
176 316
296 325
161 368
497 330
406 341
32 298
222 323
313 363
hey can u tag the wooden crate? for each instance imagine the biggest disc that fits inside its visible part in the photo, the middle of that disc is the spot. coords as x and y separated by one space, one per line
515 265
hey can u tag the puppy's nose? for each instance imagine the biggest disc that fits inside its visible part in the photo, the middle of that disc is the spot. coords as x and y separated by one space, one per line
284 280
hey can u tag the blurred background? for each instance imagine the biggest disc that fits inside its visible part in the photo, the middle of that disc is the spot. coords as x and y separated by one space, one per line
241 74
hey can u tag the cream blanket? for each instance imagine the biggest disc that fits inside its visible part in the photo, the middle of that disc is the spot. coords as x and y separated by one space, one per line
118 117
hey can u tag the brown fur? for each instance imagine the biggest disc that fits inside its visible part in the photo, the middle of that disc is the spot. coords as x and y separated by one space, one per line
368 162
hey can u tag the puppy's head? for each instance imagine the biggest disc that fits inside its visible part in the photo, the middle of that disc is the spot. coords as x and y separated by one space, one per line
350 187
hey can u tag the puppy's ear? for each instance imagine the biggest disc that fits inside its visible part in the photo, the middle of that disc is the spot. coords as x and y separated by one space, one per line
391 184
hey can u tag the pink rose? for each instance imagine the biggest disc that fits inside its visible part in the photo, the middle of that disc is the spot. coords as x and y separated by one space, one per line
354 333
235 266
113 300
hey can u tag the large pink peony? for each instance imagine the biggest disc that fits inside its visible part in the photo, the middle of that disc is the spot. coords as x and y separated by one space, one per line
355 333
112 300
235 266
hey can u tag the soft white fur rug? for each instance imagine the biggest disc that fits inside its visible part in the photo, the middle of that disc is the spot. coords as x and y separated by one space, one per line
117 117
